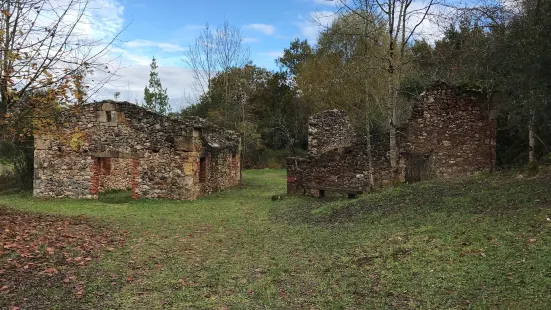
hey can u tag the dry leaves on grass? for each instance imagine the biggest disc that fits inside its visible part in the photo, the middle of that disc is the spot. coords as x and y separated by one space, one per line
41 245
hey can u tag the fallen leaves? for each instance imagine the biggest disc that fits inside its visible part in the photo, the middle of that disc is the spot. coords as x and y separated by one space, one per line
48 246
50 270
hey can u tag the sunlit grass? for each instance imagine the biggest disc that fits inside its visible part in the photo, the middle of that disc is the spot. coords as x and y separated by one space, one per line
481 242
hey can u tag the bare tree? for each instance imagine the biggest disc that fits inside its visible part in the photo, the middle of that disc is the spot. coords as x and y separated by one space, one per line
230 51
403 18
42 49
201 58
216 52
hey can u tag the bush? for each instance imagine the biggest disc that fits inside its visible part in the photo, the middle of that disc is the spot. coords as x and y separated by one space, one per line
273 159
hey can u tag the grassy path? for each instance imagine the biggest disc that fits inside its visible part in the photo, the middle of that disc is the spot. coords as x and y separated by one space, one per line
476 243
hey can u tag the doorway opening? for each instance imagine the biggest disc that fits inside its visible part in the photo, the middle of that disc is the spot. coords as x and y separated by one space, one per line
114 179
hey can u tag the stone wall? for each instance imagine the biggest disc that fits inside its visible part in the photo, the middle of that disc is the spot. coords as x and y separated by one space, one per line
337 158
123 146
449 134
329 130
114 173
452 131
59 173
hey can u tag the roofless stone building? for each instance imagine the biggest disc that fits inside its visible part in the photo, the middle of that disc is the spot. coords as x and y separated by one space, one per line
118 145
450 133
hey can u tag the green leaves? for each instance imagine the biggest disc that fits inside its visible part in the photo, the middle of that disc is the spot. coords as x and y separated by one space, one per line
155 97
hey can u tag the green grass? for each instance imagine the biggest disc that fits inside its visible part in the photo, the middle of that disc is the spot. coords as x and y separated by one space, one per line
481 243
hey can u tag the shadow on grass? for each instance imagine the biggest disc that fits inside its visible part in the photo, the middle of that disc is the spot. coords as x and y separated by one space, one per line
116 197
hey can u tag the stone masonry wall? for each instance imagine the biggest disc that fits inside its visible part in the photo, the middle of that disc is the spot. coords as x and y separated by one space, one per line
58 173
453 130
449 134
115 173
343 166
120 145
329 130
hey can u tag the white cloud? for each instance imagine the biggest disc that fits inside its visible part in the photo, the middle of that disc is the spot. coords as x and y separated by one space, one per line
104 19
250 40
316 22
165 47
427 28
274 54
133 79
264 28
325 2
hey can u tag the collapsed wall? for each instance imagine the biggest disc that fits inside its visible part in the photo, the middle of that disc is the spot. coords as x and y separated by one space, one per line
450 133
338 158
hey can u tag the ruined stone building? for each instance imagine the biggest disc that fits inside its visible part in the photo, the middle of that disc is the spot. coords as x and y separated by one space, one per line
449 133
118 145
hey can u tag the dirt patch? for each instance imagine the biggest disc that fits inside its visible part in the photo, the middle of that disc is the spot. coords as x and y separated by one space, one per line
40 251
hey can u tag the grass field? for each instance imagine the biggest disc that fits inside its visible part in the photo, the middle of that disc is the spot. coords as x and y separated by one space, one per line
480 243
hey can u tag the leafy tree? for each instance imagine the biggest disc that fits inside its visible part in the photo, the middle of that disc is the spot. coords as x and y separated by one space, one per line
155 97
297 53
42 49
344 72
395 15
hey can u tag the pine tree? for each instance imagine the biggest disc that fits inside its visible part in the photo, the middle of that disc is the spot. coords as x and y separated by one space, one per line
155 97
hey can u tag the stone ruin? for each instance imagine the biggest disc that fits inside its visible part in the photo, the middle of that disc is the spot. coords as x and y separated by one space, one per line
117 145
448 134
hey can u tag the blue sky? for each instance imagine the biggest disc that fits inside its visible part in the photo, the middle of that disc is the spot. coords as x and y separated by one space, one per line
165 28
268 26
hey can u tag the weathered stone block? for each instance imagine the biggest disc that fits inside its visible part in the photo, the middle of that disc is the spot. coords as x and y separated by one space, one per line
108 106
188 168
183 143
41 143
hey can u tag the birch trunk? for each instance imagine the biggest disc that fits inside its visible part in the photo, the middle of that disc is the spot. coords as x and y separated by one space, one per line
532 137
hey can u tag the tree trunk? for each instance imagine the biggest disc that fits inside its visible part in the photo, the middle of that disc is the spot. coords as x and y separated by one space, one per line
369 156
4 100
391 113
532 137
368 137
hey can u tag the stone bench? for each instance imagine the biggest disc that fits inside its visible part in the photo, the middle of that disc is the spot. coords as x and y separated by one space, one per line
352 193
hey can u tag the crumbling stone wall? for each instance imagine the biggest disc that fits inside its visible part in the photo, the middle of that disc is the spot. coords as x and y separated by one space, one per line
329 130
346 164
453 131
449 133
115 173
157 156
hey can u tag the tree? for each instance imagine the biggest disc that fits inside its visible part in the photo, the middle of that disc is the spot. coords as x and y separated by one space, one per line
43 49
297 53
525 51
344 72
397 14
47 64
216 52
201 58
155 97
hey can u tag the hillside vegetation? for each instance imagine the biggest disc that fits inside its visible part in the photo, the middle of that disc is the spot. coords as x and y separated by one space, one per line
480 242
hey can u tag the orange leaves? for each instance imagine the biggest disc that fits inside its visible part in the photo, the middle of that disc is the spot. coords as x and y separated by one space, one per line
50 270
34 246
